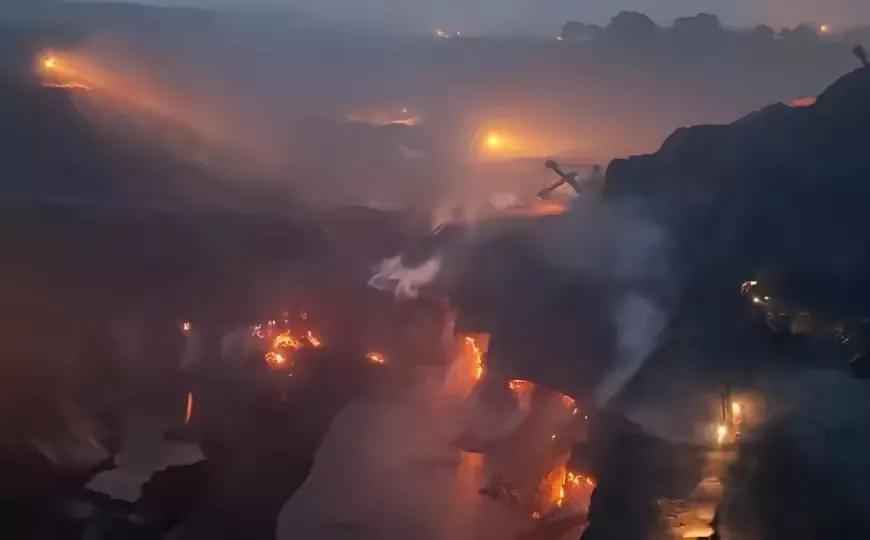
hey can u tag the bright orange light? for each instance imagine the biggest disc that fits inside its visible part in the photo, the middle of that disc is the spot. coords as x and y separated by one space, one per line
377 358
276 360
721 433
824 29
286 341
313 340
49 63
494 141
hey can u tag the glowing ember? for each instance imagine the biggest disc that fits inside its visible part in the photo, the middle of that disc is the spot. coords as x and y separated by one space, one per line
282 342
377 358
549 207
276 360
286 341
188 412
721 433
186 327
313 340
579 479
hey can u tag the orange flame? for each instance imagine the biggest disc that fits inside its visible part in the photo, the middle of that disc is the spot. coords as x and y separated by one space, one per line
276 360
565 489
478 358
188 413
467 366
579 479
376 357
286 340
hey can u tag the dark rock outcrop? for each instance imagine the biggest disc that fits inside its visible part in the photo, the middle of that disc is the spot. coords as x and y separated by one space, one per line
779 191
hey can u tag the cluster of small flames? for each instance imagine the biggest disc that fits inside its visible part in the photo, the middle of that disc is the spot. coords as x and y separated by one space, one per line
284 343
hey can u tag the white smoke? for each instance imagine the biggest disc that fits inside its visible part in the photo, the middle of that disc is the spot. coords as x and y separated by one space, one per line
617 246
405 282
639 322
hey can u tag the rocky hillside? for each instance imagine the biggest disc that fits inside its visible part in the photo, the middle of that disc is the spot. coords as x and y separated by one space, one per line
780 192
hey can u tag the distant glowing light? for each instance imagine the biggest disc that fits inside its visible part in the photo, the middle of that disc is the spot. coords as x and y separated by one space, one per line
49 63
824 29
559 38
721 433
808 101
376 357
186 327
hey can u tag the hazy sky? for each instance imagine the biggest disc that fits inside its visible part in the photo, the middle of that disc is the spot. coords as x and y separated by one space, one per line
546 15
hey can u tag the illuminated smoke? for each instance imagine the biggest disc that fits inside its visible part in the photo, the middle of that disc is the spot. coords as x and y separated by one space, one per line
405 282
639 322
